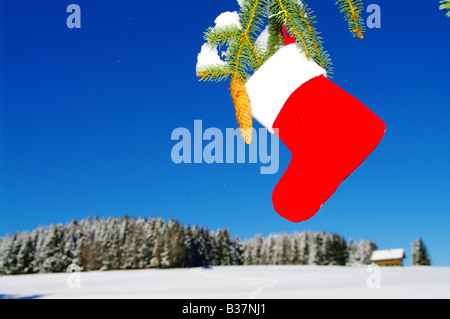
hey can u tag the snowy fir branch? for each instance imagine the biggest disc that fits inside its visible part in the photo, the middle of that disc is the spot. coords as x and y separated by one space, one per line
445 5
130 243
243 54
248 46
221 37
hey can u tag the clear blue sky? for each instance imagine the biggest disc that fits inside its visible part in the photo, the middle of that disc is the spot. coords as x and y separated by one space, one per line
87 115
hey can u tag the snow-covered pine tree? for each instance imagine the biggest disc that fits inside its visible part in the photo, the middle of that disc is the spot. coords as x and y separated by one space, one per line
317 254
38 236
338 254
149 240
199 255
204 247
224 247
360 254
277 250
419 254
303 248
155 261
329 248
313 257
189 243
126 233
145 245
25 255
128 246
50 254
256 253
90 251
160 235
212 248
352 250
152 236
8 254
175 246
268 253
285 256
248 248
326 250
294 257
16 265
5 254
135 250
102 237
71 243
366 248
238 249
2 253
113 248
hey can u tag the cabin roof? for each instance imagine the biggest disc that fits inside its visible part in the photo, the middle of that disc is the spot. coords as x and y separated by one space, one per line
390 254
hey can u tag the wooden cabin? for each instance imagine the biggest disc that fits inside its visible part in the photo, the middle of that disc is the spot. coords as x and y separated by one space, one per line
390 257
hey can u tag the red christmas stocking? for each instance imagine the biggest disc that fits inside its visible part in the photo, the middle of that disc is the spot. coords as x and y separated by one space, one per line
329 132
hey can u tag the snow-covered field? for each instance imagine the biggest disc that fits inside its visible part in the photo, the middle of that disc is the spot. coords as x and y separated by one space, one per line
236 282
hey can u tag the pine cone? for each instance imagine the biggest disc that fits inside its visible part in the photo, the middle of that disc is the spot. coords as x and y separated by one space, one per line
243 109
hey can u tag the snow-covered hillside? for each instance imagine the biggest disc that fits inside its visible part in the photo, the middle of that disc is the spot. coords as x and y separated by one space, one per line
236 282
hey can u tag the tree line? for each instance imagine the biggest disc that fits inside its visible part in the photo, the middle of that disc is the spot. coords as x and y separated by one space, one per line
139 243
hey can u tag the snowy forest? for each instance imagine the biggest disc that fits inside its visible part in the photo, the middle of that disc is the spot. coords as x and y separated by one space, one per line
139 243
